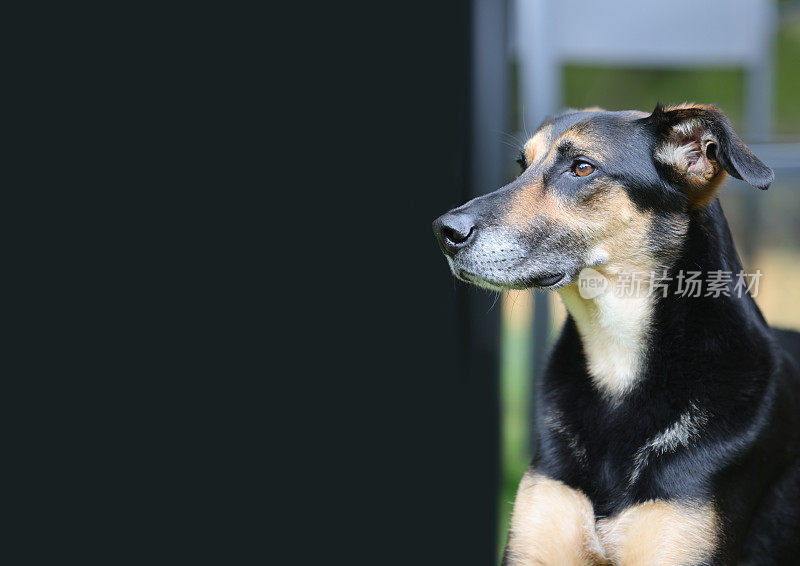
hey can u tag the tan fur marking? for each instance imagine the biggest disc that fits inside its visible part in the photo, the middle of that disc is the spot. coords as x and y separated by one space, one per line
536 147
584 136
700 196
660 533
529 203
619 234
686 106
554 525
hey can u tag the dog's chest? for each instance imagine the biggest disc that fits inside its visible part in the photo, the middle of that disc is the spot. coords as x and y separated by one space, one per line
616 455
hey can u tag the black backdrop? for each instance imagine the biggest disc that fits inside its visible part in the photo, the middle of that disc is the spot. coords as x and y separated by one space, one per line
342 387
297 371
427 345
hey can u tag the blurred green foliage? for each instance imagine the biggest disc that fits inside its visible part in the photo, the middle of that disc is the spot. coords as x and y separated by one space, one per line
515 398
787 80
624 88
616 88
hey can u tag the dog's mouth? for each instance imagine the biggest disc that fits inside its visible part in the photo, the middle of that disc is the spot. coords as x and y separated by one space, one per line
546 280
542 281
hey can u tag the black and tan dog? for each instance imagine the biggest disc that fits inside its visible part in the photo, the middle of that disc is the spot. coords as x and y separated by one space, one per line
669 425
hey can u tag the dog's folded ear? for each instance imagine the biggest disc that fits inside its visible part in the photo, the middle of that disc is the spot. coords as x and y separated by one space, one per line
696 144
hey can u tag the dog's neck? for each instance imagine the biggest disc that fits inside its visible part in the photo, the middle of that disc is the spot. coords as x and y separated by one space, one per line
615 337
621 335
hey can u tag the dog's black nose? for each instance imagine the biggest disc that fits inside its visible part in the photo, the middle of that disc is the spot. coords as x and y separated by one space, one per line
454 230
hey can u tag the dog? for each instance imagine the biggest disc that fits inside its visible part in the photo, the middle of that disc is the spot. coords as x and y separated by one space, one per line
668 423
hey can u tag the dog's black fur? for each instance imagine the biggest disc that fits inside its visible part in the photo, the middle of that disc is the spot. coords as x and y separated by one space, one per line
717 354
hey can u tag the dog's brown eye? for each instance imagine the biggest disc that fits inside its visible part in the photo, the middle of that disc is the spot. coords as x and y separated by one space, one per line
581 169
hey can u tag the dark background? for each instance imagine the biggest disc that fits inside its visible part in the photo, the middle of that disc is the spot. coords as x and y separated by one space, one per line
415 351
267 359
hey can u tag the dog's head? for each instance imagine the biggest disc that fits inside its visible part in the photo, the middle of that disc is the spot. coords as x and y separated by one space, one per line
611 190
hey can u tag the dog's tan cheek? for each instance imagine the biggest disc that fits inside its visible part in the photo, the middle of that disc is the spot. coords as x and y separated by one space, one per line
608 203
619 230
533 210
525 205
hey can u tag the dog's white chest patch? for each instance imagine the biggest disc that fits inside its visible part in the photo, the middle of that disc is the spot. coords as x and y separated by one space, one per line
614 332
